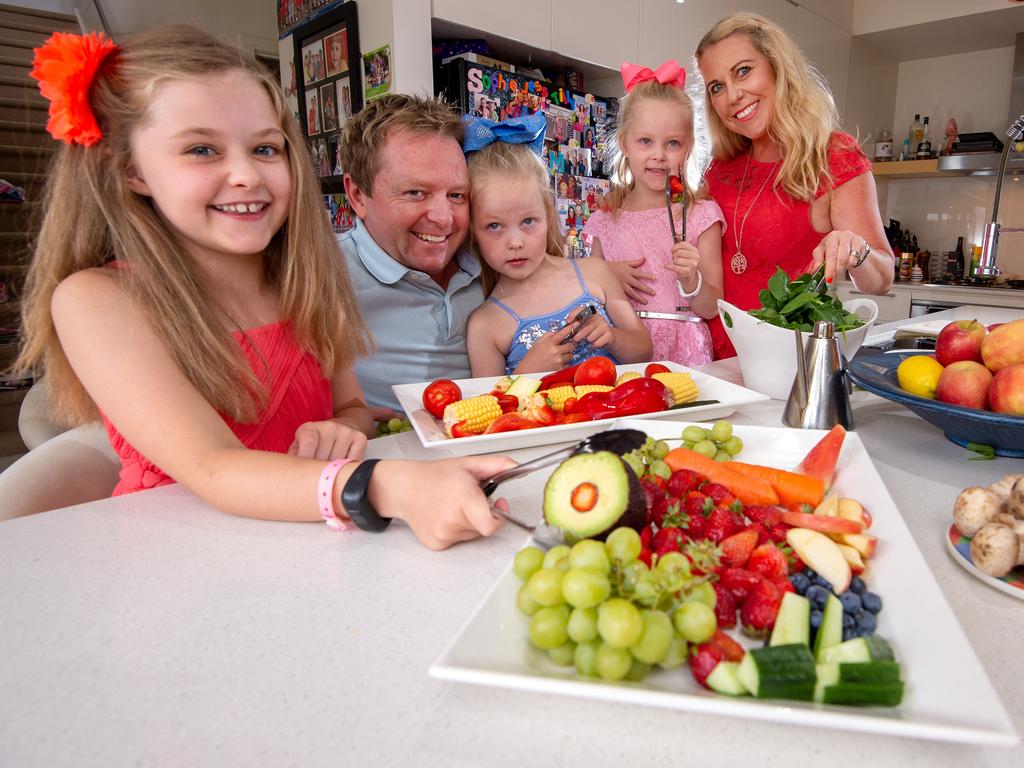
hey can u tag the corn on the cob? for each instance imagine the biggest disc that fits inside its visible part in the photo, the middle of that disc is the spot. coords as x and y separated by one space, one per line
627 376
680 386
474 414
585 388
558 395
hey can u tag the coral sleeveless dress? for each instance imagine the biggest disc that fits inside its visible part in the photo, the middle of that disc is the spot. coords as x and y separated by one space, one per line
632 234
297 392
777 232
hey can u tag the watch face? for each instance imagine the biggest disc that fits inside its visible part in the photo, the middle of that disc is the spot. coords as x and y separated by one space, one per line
355 498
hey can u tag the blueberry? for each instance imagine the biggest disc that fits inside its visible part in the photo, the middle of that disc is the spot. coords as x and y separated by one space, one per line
851 602
849 633
848 621
821 581
867 623
857 585
815 619
800 583
871 602
817 595
810 573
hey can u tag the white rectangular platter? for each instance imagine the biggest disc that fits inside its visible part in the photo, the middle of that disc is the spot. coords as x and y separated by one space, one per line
948 695
431 432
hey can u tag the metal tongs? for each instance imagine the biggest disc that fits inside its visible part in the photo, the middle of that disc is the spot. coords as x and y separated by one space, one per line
619 441
676 238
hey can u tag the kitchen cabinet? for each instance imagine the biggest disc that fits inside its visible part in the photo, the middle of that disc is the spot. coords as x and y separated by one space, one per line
893 305
605 32
828 47
901 300
526 21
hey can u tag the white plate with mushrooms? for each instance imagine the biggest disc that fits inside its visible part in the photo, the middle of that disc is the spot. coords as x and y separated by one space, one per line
987 535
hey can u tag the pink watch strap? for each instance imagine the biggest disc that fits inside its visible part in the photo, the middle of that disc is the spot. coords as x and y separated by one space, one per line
325 496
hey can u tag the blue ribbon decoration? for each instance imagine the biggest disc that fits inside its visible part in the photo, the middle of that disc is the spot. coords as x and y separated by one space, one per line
526 129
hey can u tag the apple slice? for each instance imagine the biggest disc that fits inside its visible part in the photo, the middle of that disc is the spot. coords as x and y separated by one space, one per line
853 557
822 523
829 506
822 554
864 543
851 509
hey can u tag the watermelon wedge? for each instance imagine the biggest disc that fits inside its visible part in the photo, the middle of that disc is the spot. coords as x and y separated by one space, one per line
820 461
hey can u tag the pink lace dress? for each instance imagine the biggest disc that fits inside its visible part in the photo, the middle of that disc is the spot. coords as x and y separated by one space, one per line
633 234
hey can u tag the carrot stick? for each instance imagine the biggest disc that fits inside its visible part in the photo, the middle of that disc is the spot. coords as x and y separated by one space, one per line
748 489
793 489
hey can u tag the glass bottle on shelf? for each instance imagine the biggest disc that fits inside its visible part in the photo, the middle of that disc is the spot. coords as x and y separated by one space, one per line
883 147
924 148
914 135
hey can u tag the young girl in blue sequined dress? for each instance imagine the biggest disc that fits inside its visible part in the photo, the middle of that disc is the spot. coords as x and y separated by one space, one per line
534 294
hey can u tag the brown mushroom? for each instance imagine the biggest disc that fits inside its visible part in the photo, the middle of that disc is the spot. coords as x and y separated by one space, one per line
974 507
996 549
1001 488
1015 502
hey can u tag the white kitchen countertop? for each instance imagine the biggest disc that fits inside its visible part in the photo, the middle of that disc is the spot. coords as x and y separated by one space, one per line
151 630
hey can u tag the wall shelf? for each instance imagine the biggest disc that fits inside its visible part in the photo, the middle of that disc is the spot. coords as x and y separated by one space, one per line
910 169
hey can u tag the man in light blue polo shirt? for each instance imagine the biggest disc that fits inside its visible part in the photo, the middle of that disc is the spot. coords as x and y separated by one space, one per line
406 179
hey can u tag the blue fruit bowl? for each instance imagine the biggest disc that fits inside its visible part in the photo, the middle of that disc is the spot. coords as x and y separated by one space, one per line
875 370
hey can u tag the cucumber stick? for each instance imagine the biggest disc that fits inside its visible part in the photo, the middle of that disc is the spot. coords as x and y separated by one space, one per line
830 631
793 622
860 649
778 672
724 678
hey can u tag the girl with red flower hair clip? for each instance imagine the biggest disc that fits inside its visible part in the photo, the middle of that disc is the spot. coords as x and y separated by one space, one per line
187 289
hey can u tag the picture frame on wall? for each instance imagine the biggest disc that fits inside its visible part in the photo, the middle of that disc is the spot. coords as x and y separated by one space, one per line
329 85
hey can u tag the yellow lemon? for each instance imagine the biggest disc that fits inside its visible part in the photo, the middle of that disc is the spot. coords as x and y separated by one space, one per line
919 375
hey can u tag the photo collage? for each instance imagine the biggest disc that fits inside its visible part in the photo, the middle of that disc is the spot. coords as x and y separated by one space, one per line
325 73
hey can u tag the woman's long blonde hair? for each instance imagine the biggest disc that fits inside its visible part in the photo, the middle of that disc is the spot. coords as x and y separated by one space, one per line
622 178
500 162
805 113
91 217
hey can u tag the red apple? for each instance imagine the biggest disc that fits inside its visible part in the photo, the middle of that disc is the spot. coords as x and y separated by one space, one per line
964 383
1004 346
993 327
960 340
822 523
1006 393
822 554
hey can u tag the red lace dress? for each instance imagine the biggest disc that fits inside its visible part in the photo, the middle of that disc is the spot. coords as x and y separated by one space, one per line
297 392
778 229
633 234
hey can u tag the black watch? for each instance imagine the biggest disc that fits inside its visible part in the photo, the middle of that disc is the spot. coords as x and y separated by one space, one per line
356 500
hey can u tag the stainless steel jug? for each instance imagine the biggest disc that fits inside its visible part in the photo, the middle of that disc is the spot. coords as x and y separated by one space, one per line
820 397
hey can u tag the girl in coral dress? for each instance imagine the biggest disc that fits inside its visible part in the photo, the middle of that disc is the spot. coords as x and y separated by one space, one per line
187 289
672 284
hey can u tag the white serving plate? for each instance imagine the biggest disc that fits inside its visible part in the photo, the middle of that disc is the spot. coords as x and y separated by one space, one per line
948 695
431 432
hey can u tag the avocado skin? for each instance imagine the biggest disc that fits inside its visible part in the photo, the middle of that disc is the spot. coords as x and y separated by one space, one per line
634 512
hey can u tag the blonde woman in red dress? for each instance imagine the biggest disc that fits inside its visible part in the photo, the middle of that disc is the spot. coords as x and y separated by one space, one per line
795 190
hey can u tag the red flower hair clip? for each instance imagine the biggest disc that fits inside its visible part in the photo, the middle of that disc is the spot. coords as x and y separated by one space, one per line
65 67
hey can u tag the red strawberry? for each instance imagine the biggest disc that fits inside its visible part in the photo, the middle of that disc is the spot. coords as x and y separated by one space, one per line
720 525
683 481
777 533
739 581
651 491
656 510
668 540
703 660
697 507
646 555
767 516
795 564
760 609
737 548
733 651
645 536
725 606
783 585
768 561
722 495
762 534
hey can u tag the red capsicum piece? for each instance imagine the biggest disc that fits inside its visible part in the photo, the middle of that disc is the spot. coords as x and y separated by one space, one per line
631 398
563 376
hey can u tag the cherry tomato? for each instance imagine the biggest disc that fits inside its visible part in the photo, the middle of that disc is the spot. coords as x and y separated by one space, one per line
438 394
675 185
653 368
595 370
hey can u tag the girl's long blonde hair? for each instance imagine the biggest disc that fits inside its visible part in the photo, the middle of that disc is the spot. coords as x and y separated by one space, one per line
805 113
92 217
622 178
499 162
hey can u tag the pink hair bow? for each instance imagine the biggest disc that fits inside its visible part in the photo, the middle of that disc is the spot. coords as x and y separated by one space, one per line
669 73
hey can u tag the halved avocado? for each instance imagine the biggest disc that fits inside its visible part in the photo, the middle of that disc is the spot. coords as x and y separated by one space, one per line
591 494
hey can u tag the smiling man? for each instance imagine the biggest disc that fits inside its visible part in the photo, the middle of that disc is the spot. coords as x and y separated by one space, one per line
406 179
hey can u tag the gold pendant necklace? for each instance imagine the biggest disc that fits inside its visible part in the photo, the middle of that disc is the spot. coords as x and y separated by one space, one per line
738 263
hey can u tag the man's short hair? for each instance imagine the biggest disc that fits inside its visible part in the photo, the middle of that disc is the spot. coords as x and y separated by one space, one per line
366 132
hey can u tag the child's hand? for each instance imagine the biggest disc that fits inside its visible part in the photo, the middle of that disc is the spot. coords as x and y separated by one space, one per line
327 441
685 258
595 330
548 353
440 500
634 280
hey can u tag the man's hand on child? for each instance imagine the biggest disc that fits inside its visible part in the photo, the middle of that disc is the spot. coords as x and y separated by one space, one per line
635 281
685 259
327 441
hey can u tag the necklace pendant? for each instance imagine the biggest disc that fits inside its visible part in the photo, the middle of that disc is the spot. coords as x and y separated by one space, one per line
738 263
